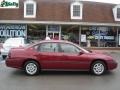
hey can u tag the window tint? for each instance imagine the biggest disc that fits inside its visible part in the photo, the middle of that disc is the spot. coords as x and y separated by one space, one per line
48 47
68 48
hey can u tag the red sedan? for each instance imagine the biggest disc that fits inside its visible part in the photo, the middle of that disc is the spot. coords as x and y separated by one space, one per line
58 55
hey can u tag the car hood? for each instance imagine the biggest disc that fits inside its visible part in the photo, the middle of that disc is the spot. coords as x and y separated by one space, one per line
99 55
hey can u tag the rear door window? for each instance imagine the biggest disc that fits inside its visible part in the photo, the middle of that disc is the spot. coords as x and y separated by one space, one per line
48 47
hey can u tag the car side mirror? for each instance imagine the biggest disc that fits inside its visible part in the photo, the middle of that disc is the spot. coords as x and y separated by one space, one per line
90 51
80 53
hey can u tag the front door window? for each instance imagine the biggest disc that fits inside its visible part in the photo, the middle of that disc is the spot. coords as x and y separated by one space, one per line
70 49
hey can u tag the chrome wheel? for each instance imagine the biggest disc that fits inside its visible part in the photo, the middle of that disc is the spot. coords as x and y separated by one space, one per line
31 68
98 67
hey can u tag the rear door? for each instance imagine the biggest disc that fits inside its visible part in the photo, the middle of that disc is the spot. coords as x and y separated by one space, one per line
48 55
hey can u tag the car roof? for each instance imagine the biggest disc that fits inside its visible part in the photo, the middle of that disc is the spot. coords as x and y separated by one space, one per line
47 41
55 41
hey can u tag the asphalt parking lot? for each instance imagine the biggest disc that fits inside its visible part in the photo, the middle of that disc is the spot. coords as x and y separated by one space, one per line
12 79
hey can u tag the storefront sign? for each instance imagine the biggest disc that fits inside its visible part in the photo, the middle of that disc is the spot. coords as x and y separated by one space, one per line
105 37
99 30
53 28
9 3
83 38
13 30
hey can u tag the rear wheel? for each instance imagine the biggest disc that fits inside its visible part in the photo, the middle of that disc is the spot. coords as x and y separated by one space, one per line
31 68
98 67
4 57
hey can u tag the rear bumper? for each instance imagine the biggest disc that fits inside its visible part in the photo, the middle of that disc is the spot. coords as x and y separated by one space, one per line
13 63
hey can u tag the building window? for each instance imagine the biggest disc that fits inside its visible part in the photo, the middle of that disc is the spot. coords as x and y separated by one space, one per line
98 36
76 10
29 9
70 33
118 13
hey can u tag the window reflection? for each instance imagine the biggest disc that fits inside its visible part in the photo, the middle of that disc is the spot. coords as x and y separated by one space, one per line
48 47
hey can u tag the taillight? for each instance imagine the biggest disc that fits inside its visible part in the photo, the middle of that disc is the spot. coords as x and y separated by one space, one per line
9 55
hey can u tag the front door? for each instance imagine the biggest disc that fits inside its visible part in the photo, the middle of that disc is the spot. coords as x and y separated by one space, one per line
71 57
54 32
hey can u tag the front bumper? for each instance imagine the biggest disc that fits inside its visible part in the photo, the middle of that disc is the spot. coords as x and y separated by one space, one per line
112 65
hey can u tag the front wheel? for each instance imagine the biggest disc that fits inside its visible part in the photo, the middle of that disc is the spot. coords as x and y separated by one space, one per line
31 68
98 68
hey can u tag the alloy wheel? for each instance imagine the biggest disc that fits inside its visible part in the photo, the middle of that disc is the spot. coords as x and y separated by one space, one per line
98 68
31 68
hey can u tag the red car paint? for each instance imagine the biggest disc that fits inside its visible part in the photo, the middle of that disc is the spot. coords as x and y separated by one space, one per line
57 60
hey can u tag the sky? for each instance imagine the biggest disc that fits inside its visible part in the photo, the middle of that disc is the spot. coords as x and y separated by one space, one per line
106 1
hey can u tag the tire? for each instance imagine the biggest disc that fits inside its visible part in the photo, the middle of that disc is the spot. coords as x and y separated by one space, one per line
4 57
32 68
98 68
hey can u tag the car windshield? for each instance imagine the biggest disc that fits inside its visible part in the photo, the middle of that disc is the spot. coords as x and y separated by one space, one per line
84 50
